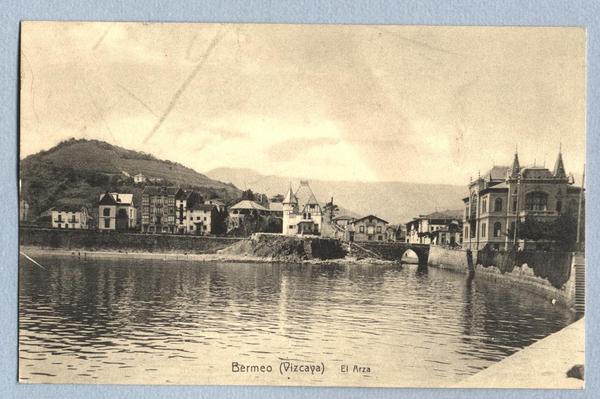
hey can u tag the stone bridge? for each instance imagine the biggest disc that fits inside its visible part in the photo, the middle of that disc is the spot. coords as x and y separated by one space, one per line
392 250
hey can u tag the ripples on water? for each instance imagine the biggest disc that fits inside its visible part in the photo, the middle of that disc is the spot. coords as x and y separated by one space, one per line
154 321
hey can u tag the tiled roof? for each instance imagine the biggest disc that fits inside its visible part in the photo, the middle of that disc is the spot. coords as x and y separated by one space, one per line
202 207
247 204
497 173
342 217
120 198
368 217
305 195
536 172
68 208
447 214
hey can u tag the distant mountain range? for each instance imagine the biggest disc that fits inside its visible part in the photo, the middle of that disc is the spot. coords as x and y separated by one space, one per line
76 172
396 202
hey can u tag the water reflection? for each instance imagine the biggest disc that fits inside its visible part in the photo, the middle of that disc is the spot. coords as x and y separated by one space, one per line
123 320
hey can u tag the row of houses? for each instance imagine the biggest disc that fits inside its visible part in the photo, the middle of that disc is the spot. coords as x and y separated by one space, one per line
497 200
162 210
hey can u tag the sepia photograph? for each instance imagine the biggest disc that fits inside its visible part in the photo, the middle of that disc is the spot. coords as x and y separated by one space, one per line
302 205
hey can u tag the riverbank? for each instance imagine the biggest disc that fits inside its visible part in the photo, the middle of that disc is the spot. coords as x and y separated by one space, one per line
543 364
34 251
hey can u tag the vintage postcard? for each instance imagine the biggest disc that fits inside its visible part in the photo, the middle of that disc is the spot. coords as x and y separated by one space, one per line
303 205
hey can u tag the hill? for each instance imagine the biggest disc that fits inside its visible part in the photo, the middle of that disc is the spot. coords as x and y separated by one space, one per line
76 172
397 202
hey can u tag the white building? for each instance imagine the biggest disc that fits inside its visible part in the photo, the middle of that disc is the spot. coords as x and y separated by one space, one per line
69 217
139 178
116 211
302 213
201 218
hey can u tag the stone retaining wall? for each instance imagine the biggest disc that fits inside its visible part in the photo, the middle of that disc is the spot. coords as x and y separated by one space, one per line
118 241
447 258
552 276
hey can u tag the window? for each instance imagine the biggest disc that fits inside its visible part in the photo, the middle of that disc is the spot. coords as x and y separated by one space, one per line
497 228
379 238
379 229
361 229
558 206
483 228
498 205
514 205
484 205
106 223
536 201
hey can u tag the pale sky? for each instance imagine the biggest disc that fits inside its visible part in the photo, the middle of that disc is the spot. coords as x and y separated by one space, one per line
332 102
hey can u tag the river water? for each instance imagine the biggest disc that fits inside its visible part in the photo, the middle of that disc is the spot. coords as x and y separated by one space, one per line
185 322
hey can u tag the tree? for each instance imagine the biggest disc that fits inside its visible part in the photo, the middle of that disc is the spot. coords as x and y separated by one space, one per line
330 209
248 195
562 231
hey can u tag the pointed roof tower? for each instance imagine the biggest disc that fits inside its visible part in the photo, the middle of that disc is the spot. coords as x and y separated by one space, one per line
559 167
515 167
304 195
290 198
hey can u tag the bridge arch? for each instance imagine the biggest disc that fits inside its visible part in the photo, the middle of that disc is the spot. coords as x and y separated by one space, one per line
393 250
421 250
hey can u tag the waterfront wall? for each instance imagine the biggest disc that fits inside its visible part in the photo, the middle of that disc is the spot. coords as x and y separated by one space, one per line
449 258
524 277
119 241
548 274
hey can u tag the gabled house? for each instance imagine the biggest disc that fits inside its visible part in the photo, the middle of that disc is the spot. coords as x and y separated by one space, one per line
69 217
201 218
368 228
139 178
116 211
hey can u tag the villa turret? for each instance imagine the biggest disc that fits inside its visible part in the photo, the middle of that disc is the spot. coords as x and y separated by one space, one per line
559 167
302 213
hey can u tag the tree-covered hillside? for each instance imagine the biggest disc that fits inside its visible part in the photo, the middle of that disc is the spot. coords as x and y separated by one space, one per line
76 172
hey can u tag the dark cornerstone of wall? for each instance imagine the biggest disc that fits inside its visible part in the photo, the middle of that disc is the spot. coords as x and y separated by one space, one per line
117 241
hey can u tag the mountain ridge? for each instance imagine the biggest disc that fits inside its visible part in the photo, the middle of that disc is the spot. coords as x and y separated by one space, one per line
397 202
